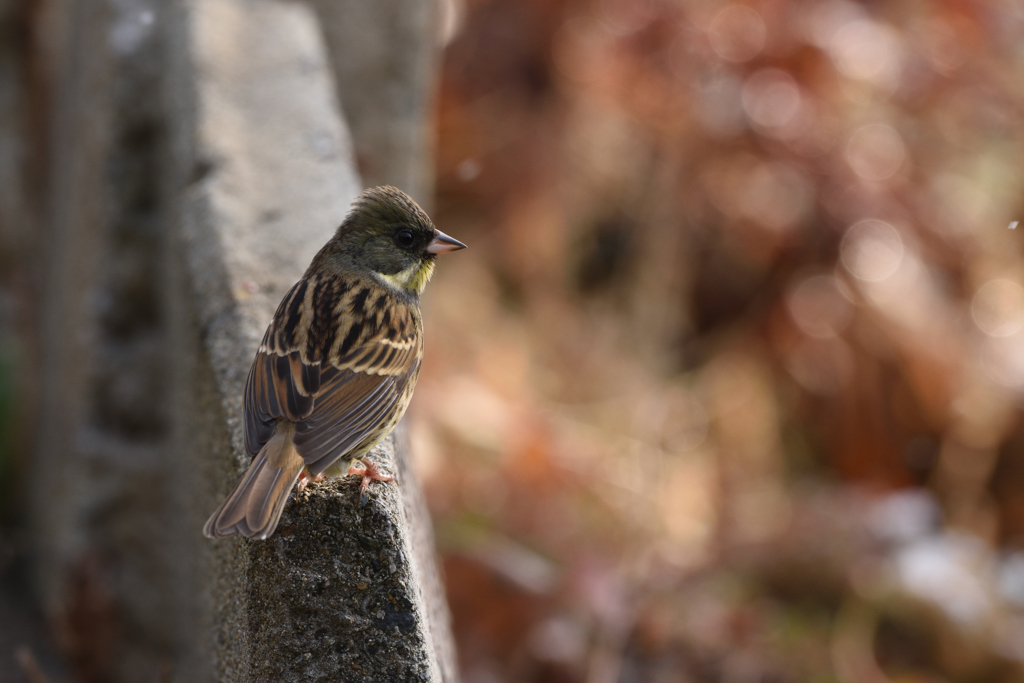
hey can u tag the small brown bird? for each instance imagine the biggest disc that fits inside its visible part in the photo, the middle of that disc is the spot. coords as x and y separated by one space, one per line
338 364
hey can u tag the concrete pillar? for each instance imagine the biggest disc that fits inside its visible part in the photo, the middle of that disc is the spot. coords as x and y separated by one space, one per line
385 56
267 166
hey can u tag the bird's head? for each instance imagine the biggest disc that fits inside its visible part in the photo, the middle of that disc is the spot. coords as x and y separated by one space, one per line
388 234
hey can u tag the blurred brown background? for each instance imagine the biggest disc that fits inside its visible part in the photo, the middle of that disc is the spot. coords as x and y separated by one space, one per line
728 386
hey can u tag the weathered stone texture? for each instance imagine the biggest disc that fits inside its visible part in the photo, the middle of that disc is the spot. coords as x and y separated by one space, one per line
386 56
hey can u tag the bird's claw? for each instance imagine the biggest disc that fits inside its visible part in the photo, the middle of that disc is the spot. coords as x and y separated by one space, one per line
369 472
304 479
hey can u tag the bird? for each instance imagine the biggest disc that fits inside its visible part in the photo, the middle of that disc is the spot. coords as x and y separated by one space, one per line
337 366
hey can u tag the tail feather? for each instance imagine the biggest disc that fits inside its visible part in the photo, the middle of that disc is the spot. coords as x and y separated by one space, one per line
254 508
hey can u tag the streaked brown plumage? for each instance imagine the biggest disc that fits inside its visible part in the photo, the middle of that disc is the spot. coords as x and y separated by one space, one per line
339 362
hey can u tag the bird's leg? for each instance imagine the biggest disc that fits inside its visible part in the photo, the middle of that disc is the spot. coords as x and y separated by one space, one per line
369 472
304 479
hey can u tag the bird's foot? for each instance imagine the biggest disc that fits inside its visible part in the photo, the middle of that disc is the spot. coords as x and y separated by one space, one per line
369 472
304 480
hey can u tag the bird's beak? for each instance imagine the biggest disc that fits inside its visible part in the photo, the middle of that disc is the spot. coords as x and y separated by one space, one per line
442 244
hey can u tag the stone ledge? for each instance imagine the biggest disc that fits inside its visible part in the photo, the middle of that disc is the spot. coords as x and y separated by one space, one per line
266 169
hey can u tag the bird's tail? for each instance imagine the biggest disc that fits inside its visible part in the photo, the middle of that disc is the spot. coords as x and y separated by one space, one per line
254 507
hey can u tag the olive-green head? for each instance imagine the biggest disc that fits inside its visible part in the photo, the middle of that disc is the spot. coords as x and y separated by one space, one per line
387 233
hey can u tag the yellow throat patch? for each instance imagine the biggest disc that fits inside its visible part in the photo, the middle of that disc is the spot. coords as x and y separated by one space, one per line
414 278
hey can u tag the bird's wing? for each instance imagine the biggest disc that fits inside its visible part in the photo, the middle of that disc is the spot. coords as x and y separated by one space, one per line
338 377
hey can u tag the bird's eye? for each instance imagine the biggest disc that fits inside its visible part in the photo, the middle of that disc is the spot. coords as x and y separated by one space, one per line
403 238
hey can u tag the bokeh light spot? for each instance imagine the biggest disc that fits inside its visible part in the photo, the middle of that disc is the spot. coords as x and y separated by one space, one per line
869 51
451 17
776 196
1002 359
818 306
871 250
820 366
737 33
998 308
875 151
943 43
468 170
771 98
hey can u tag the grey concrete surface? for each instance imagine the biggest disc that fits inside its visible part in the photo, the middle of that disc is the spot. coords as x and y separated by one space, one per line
385 56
